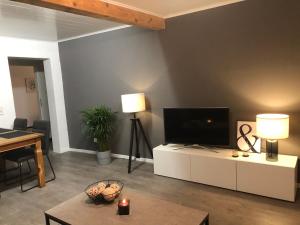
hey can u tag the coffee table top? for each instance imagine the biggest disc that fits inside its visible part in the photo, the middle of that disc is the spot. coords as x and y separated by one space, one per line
144 209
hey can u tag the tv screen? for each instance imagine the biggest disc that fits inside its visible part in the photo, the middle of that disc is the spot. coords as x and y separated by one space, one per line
203 126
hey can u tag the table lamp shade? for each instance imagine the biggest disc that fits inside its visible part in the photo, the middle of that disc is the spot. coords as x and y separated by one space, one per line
132 103
272 126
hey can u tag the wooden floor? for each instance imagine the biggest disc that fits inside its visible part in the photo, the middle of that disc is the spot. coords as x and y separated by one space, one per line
76 170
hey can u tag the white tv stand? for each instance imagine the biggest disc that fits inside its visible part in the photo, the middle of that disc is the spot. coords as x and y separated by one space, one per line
217 167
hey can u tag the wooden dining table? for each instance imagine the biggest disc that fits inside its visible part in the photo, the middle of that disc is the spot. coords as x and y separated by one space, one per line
15 139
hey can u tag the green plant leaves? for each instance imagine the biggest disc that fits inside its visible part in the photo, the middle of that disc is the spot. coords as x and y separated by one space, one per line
99 123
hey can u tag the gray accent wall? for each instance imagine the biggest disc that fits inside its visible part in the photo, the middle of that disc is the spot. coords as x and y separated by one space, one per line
245 56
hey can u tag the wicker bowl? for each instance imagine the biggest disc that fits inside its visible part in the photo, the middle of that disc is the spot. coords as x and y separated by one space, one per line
102 196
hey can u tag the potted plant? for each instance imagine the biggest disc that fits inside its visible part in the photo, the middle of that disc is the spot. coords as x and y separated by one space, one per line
99 125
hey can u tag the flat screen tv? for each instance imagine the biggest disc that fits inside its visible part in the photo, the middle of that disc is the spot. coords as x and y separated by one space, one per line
203 126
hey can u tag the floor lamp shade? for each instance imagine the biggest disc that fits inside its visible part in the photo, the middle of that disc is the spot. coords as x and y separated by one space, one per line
272 127
132 103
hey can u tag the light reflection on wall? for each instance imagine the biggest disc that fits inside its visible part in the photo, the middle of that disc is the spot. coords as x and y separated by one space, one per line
150 66
141 83
269 90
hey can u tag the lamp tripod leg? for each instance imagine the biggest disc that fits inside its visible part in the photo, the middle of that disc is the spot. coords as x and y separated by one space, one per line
137 154
145 138
131 146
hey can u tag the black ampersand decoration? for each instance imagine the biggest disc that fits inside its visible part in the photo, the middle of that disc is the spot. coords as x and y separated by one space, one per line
244 136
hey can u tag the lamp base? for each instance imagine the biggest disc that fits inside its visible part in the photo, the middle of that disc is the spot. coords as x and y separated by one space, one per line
272 150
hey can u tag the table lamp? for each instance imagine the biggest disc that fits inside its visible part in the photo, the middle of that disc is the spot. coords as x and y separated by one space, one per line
272 127
133 103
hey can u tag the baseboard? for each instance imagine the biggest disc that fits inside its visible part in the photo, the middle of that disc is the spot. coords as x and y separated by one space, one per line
82 151
118 156
62 150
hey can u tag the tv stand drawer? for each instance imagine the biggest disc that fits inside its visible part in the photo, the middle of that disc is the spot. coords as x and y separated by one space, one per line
172 164
267 180
213 171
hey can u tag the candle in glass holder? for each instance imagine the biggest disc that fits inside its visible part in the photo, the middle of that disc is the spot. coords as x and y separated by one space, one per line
123 206
235 153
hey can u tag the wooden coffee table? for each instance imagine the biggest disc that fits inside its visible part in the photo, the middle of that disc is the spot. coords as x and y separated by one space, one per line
145 209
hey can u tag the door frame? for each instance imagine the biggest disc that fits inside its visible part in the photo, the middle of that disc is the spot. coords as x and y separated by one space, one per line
54 100
49 53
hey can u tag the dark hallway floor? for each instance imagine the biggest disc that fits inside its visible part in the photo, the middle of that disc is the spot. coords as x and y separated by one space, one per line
76 170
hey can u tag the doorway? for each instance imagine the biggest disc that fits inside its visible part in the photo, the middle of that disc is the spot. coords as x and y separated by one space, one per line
29 89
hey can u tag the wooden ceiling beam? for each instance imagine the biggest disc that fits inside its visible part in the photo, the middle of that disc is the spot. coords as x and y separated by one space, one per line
102 9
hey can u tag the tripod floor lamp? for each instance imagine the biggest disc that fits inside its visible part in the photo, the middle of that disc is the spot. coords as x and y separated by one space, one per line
133 103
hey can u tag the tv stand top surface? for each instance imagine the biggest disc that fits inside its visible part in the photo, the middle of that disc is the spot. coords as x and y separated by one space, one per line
195 146
223 153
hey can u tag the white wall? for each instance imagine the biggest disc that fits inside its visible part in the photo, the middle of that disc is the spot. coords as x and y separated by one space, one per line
26 103
13 47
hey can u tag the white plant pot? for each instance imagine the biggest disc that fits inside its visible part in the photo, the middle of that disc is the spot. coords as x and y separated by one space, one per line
104 158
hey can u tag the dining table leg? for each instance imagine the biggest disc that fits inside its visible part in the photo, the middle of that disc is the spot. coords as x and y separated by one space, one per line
39 160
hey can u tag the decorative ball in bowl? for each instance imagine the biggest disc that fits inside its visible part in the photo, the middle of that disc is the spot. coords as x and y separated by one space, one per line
104 190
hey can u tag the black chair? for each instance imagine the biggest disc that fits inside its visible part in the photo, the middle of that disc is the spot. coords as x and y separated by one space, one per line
20 124
24 155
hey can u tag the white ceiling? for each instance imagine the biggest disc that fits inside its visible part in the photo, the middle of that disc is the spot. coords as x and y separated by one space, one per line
171 8
26 21
31 22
